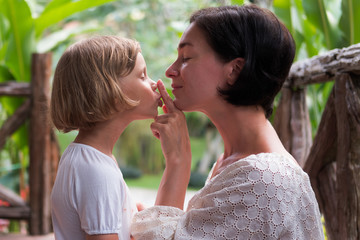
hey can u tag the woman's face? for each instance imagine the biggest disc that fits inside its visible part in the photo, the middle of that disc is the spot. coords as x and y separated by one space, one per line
197 72
139 87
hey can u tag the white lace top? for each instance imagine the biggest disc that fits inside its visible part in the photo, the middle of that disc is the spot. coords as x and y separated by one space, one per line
263 196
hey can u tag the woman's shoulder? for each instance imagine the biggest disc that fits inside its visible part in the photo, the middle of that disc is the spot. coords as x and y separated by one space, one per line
261 179
265 168
266 162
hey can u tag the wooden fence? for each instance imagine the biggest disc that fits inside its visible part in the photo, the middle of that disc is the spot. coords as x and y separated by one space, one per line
332 160
43 147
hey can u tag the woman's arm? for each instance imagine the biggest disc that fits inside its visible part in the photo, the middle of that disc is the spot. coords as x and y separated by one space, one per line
172 131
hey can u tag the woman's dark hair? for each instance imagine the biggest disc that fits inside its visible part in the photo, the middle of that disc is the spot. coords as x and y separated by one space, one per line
257 36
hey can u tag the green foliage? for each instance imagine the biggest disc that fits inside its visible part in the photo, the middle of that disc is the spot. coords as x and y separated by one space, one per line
149 181
349 21
317 28
197 180
316 13
58 10
130 172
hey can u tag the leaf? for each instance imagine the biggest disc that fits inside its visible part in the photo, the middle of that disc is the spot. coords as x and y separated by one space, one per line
58 12
282 9
4 31
5 75
237 2
20 46
55 4
51 41
303 32
350 19
316 13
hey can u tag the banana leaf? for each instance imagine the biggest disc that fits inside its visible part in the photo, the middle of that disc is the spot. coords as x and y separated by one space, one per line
61 9
51 41
316 13
20 42
350 19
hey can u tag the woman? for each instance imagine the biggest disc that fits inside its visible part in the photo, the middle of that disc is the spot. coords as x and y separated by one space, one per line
232 61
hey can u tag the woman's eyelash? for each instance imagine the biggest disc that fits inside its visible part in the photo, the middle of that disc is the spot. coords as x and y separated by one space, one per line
185 59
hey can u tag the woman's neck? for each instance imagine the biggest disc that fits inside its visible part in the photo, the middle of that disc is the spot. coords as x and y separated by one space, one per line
245 131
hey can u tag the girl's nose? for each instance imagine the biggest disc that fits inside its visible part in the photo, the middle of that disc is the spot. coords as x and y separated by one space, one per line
171 72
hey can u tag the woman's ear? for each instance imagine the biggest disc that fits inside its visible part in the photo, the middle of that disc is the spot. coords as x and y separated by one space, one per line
234 68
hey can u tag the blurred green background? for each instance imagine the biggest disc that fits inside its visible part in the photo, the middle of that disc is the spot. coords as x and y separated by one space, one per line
28 26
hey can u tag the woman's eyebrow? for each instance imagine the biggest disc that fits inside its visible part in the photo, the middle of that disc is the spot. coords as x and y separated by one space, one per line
182 45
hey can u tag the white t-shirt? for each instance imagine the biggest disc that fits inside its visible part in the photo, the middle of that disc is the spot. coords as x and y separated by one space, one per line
90 196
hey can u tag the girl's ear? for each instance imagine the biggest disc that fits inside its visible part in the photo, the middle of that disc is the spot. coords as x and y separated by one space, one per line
234 68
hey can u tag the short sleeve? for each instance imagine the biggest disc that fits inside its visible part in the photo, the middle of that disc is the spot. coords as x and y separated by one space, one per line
98 199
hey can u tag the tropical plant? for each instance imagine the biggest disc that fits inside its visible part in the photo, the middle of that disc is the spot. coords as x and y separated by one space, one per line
319 26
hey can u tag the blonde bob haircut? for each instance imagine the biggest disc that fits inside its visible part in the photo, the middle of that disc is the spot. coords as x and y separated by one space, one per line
87 82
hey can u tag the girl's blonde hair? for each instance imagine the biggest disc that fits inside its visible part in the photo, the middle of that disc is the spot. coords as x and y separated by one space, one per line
86 86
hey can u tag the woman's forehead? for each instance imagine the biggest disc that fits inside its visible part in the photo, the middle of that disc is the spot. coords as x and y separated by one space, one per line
192 37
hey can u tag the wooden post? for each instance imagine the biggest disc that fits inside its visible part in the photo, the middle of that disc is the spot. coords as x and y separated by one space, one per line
292 123
347 96
321 167
40 145
334 161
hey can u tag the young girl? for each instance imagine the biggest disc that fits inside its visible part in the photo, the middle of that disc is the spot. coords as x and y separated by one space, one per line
100 86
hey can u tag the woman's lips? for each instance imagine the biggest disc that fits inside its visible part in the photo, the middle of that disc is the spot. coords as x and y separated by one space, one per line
175 88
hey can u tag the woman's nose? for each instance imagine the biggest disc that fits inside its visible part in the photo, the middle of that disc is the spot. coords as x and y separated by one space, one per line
171 72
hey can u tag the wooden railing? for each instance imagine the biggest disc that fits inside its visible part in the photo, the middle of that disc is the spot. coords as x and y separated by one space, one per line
43 147
332 160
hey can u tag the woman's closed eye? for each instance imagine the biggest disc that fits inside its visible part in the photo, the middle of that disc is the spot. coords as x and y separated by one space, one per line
185 59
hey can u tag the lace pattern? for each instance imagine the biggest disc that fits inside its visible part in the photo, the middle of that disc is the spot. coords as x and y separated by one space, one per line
264 196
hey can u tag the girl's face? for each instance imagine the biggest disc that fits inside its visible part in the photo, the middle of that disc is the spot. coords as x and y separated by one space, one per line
139 87
197 72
